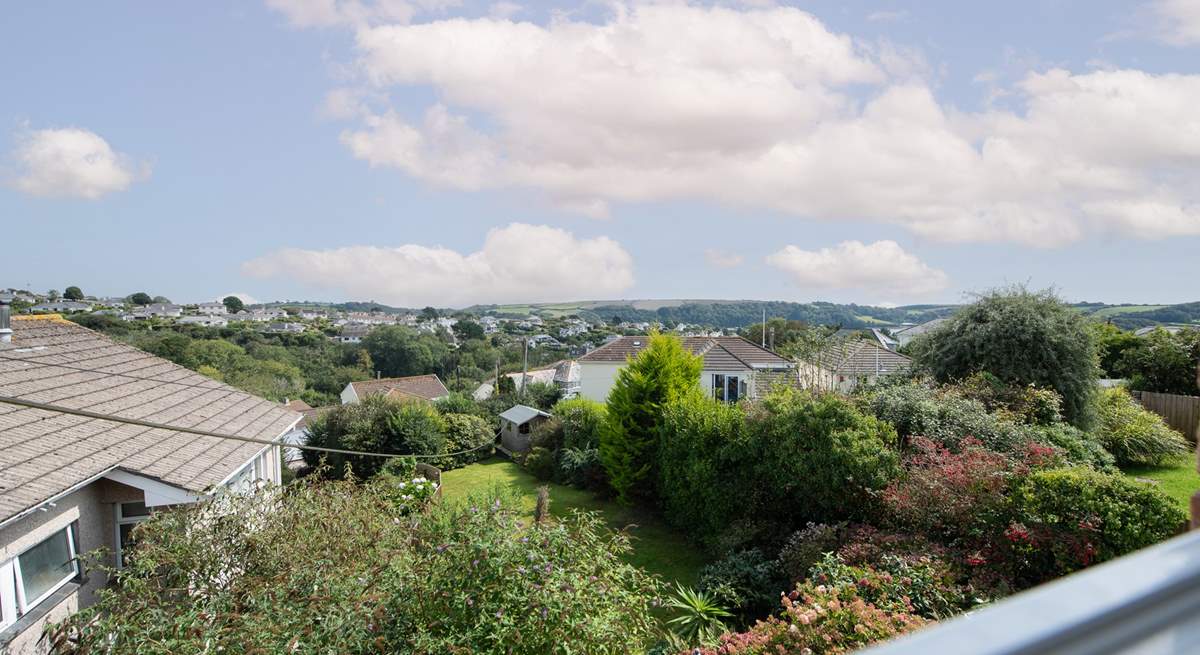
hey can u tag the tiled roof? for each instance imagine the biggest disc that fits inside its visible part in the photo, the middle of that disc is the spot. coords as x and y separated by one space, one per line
429 387
720 353
44 453
858 357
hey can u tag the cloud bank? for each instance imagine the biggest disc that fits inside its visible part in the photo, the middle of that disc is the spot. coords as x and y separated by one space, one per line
882 267
767 108
517 263
71 163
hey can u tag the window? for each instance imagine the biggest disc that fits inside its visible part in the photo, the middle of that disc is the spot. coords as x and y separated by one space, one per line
127 516
31 577
524 428
727 388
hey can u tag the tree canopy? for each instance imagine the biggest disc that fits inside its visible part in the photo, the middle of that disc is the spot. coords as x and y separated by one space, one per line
73 293
233 304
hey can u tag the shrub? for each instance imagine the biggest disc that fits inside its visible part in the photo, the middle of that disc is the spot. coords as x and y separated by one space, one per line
807 546
540 462
1164 362
1077 447
582 421
1134 435
951 497
661 372
746 583
377 424
465 432
1066 519
1021 404
943 415
1022 338
581 468
818 620
923 585
463 578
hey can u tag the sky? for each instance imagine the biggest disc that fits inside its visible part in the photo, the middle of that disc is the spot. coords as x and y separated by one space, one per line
448 153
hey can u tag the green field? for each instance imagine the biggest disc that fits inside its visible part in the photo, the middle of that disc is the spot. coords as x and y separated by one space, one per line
1126 309
656 548
1179 479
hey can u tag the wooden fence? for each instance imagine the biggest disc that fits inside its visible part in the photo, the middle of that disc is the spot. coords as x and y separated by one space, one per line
1180 412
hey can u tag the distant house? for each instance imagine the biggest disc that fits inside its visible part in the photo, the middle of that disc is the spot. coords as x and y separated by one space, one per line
564 374
62 307
544 340
206 320
843 365
353 333
73 484
155 310
293 458
212 308
427 387
285 328
884 339
516 424
734 367
905 335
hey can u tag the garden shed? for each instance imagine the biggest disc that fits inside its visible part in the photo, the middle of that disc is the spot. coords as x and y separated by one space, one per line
516 424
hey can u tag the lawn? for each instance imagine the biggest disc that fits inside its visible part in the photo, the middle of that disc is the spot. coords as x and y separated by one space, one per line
1179 479
656 548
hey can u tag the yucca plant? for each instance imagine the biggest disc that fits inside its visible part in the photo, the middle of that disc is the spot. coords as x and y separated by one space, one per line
699 619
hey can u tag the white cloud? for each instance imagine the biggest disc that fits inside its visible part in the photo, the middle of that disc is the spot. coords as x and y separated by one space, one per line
517 263
882 267
769 109
1179 21
722 258
71 162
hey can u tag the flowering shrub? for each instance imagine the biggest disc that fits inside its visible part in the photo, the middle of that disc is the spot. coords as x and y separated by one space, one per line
807 546
951 496
923 585
337 567
818 620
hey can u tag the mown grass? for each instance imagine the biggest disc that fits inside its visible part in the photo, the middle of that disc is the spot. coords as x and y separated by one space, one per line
656 548
1178 479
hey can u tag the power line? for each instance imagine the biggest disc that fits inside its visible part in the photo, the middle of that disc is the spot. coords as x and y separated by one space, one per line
33 404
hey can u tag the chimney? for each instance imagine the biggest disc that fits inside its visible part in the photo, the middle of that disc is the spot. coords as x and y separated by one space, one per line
5 319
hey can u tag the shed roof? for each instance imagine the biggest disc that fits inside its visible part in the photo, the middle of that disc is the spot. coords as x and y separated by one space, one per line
522 414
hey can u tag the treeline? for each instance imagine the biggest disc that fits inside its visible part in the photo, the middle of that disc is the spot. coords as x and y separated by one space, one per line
738 314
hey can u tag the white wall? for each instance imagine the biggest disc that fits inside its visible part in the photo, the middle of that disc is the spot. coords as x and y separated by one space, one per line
348 395
596 379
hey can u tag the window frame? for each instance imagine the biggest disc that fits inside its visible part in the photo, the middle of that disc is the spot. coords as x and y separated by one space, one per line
10 571
120 519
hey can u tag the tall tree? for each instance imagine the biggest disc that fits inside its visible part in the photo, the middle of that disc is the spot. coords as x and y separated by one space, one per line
73 293
140 298
661 372
1022 337
233 304
429 314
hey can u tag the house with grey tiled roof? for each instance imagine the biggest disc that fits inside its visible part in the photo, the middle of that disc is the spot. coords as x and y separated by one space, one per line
72 484
734 367
843 364
425 387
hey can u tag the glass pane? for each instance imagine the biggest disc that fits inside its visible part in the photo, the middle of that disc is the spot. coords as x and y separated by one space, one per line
45 565
731 392
719 387
130 510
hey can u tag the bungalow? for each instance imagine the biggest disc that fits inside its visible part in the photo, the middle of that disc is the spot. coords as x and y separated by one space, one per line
734 367
353 333
843 365
74 484
62 307
427 387
905 335
207 320
212 308
155 310
516 424
285 328
563 374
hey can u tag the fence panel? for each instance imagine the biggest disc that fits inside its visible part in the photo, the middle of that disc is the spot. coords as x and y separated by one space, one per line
1180 412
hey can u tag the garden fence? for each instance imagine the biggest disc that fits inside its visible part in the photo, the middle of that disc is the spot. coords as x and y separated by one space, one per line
1180 412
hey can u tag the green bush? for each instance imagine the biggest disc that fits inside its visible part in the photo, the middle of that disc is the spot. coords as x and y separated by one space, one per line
925 586
1164 362
1066 519
806 547
540 462
1134 435
1022 338
466 432
943 415
582 420
1078 447
334 567
376 424
746 583
661 372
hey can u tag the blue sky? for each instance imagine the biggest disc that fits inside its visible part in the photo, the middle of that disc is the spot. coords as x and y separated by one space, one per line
434 152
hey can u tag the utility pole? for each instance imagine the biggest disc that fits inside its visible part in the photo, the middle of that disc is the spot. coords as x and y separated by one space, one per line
764 327
525 365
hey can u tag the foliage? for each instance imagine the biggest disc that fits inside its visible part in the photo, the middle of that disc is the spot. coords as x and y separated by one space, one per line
72 293
1021 337
399 351
233 304
1134 435
1077 446
466 578
746 582
942 415
375 424
699 619
1112 344
540 462
1165 362
541 395
469 435
923 585
1019 404
1066 519
661 372
140 298
818 620
807 546
951 497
